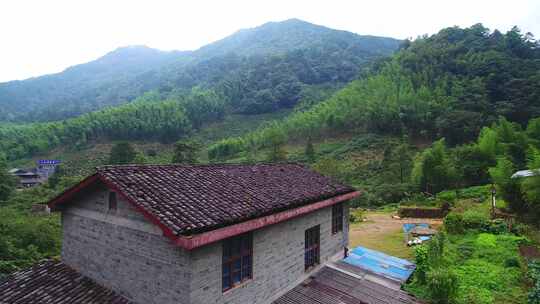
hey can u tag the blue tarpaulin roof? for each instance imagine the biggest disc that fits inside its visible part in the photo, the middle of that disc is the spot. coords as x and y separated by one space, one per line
409 227
380 263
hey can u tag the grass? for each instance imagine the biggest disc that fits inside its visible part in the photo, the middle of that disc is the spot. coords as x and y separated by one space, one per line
391 243
384 236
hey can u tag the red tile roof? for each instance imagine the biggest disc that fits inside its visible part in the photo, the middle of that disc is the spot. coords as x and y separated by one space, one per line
190 199
53 282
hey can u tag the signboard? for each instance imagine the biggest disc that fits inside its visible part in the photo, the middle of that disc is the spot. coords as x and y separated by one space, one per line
49 162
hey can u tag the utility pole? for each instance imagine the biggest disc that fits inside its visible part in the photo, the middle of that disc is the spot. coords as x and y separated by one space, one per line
493 200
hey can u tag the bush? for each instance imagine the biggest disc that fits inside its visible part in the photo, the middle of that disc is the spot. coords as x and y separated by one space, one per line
393 193
442 286
474 220
512 262
356 215
422 263
497 226
447 196
534 274
453 223
534 294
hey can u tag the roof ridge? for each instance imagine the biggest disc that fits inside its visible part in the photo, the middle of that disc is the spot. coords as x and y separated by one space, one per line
199 165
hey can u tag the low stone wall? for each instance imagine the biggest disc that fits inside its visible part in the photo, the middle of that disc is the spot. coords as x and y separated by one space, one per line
422 212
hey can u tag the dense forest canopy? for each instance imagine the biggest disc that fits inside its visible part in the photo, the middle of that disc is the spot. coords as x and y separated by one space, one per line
149 117
260 69
450 85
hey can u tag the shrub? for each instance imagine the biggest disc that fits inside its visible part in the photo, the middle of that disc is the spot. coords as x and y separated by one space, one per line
446 196
511 262
497 226
477 295
356 215
534 274
442 286
466 249
534 294
486 240
474 220
393 193
519 229
453 223
422 264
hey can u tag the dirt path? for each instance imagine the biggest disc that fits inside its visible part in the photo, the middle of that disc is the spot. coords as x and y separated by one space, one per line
381 232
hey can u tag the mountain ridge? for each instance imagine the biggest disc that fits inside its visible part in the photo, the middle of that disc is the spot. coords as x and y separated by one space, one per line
127 72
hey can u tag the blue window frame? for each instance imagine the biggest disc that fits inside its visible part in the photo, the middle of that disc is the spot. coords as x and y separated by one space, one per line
237 261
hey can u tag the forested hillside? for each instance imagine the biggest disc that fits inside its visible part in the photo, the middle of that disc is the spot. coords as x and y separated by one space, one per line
447 85
113 79
450 85
259 70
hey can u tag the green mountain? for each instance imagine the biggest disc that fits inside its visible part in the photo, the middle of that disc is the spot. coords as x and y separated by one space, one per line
115 78
450 85
260 69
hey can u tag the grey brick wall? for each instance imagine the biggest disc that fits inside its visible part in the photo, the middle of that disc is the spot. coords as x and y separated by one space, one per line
125 252
278 262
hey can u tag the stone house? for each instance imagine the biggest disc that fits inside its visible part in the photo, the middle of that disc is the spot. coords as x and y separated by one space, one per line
190 234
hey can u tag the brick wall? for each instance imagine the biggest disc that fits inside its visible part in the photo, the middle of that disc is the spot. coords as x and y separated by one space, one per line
123 251
278 262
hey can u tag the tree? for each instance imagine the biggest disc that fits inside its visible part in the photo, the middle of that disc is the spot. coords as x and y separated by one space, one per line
309 151
507 187
55 179
185 151
434 170
533 132
7 182
277 139
403 157
139 159
530 186
122 153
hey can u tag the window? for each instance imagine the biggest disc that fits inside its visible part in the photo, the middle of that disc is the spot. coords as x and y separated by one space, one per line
337 218
237 261
113 203
312 247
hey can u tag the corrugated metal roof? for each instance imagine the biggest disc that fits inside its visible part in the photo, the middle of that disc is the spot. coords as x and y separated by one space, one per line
526 173
334 286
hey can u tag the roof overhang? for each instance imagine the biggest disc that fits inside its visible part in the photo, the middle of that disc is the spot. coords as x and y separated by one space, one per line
205 238
209 237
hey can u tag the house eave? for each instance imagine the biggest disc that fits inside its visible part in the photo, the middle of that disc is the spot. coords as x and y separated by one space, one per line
212 236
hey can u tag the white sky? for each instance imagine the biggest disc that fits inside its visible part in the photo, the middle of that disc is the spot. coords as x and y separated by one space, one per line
46 36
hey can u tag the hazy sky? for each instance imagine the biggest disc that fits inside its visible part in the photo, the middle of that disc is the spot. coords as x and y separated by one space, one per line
46 36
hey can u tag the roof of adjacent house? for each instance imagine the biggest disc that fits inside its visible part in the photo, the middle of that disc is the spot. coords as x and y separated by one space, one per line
190 199
526 173
53 282
332 285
